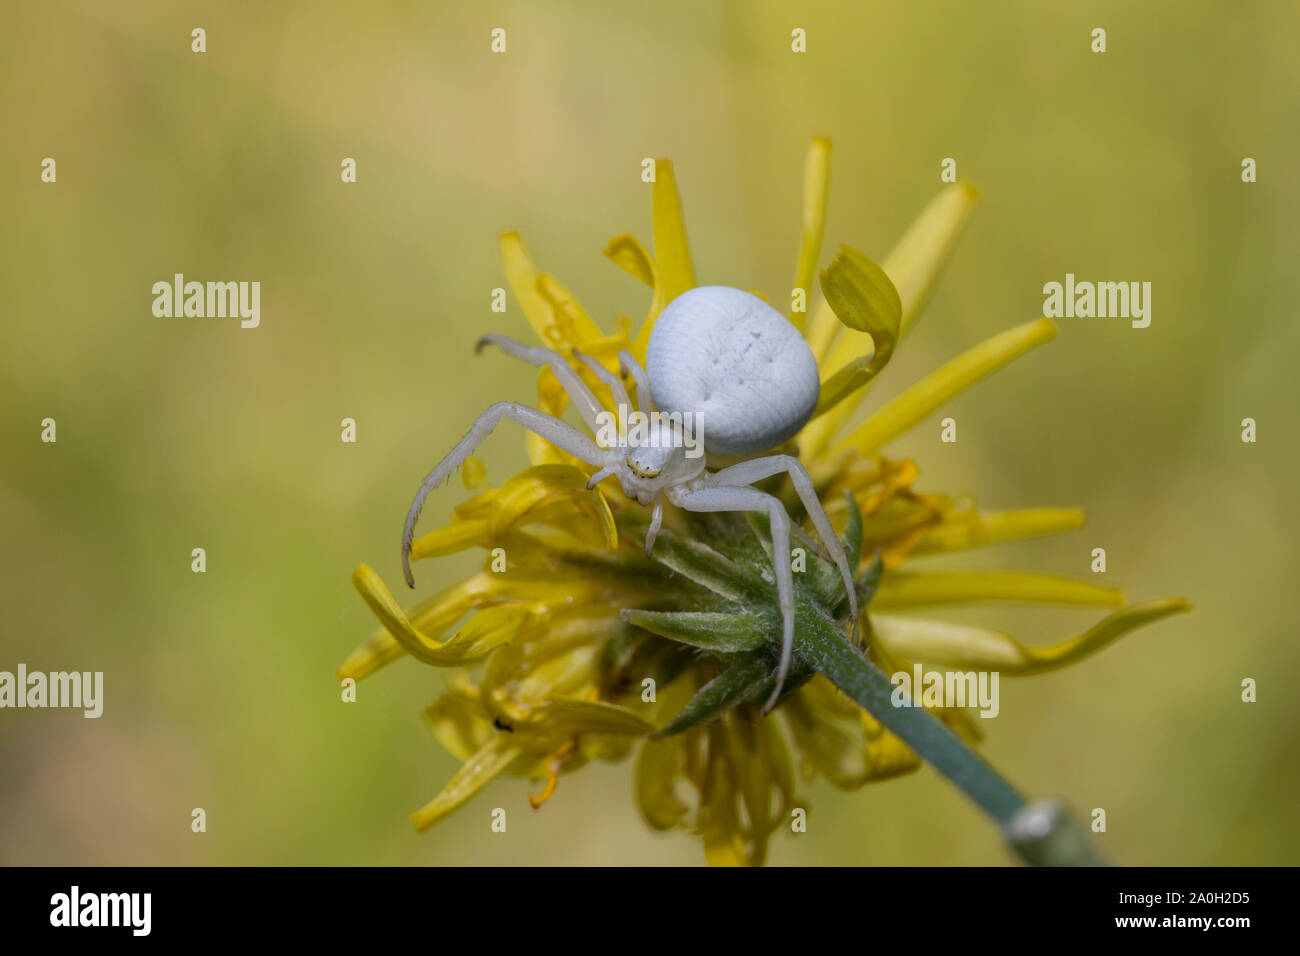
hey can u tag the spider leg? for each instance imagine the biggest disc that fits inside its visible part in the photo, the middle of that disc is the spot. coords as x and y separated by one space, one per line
573 385
558 433
631 366
756 469
614 383
599 476
656 522
735 498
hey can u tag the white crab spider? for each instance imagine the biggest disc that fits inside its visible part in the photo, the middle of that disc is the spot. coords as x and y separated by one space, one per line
747 379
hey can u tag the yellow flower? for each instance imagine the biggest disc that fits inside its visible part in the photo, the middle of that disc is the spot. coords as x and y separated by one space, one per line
571 644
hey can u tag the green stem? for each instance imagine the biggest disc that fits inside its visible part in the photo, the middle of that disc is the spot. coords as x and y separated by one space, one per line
1040 832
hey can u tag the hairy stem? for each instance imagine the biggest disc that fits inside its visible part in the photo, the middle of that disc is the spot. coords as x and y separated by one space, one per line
1039 832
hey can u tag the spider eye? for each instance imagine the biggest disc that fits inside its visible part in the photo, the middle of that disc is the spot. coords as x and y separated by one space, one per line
640 470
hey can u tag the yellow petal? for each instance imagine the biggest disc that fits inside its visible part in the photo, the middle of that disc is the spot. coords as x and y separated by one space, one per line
939 386
542 452
658 764
816 185
750 756
522 275
887 754
628 254
459 728
822 329
719 817
921 588
455 537
576 326
435 614
550 309
825 746
960 647
468 645
544 485
606 348
565 717
724 845
378 649
918 258
672 252
913 265
476 773
547 494
972 529
476 506
472 473
864 299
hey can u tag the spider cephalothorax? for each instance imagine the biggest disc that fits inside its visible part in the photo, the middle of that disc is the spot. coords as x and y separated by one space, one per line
725 368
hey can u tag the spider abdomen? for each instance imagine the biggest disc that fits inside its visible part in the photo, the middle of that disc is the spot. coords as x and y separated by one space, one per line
737 364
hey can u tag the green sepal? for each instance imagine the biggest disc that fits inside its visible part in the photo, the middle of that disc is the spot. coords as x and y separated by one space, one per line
744 675
722 632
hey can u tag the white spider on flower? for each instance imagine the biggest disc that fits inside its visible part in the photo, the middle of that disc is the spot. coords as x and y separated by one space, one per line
719 356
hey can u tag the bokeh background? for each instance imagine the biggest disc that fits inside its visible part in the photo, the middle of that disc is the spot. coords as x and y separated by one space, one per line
189 433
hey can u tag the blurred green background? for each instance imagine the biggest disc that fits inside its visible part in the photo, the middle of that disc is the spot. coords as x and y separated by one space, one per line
176 434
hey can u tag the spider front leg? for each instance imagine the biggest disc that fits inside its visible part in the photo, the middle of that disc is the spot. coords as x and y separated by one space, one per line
731 498
756 469
556 432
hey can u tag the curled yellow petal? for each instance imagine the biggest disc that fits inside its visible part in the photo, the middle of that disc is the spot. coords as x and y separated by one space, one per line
939 386
816 186
913 266
628 254
961 647
864 299
476 773
465 647
921 588
431 615
822 329
658 764
378 650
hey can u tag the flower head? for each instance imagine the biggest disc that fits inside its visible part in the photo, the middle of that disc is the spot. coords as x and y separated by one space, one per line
571 644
